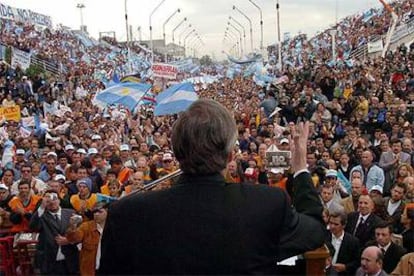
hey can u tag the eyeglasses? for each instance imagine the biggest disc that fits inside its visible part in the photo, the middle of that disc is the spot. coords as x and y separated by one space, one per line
167 161
26 171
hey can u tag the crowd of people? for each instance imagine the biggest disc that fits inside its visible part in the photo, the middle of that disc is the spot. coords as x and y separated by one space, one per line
360 150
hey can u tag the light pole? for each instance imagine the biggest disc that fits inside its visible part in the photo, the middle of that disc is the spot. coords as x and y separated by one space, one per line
150 27
261 24
234 36
126 23
178 26
185 38
250 23
165 23
279 50
240 36
244 30
81 7
332 32
139 34
179 36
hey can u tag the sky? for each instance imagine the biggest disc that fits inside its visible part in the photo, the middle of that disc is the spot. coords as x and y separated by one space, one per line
208 17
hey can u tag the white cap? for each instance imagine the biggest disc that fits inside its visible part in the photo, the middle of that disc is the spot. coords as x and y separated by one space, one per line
96 137
69 147
376 188
284 140
81 150
60 177
3 186
167 156
50 153
332 173
124 147
276 170
92 151
20 151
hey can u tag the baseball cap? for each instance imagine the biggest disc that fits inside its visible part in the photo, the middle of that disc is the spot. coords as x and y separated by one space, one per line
20 151
96 137
81 150
92 151
69 147
331 173
52 153
124 147
60 177
284 141
276 170
167 156
3 186
377 188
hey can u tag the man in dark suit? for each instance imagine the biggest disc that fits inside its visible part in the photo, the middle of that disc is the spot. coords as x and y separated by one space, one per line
371 262
391 251
362 224
201 225
345 259
54 255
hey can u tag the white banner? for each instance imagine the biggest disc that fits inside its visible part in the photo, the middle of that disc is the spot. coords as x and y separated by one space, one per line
164 70
20 58
23 15
375 46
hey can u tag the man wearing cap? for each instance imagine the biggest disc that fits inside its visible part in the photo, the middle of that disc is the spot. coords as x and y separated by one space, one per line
96 138
82 152
167 165
54 254
20 160
69 149
50 171
5 197
37 185
283 144
83 201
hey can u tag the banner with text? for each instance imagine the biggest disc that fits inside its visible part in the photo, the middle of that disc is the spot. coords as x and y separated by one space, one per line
24 15
11 113
20 58
164 70
375 46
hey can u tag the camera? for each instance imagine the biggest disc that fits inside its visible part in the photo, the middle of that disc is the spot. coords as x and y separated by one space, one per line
77 219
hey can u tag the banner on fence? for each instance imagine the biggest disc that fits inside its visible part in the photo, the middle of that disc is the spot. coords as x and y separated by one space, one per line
164 70
21 58
24 15
375 46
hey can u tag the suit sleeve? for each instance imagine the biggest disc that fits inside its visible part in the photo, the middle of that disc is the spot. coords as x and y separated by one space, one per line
386 166
35 224
353 265
114 260
303 229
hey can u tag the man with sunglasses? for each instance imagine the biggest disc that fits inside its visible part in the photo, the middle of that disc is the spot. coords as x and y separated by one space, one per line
37 185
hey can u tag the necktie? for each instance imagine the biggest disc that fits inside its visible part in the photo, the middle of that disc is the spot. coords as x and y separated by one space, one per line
360 228
383 251
57 218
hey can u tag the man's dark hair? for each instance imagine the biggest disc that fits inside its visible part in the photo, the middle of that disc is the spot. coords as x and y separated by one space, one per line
24 182
203 137
340 214
400 185
385 224
395 141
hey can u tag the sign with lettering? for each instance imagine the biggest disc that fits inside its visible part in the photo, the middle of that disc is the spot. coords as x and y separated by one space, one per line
24 15
11 113
164 70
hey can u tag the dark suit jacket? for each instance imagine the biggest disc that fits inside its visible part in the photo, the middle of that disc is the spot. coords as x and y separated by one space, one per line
408 240
47 247
204 226
395 218
369 233
349 253
391 257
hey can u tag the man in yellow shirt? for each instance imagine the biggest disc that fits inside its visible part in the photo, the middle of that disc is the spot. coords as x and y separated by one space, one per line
83 201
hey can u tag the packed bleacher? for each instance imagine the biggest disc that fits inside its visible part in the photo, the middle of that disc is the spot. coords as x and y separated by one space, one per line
65 150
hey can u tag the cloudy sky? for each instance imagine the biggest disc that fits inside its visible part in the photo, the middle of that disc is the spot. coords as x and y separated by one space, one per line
208 17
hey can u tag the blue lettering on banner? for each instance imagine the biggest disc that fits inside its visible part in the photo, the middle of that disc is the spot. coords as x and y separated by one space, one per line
6 11
22 14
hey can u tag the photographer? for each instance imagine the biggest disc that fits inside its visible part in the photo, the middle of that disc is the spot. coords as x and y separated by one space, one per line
89 234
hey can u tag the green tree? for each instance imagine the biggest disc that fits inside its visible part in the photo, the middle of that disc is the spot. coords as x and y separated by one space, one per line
206 60
34 70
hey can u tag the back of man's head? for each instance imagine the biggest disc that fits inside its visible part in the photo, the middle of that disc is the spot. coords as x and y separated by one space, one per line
203 137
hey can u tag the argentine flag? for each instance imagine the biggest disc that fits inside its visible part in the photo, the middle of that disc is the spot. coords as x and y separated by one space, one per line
175 99
126 94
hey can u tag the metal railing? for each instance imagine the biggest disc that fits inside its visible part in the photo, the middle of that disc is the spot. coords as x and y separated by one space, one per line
48 66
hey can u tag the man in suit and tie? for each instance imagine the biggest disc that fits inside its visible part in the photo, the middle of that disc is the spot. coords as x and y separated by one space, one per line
371 262
362 224
391 251
54 255
390 161
345 259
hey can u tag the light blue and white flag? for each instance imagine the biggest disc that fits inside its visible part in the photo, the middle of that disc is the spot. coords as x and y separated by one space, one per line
127 94
175 99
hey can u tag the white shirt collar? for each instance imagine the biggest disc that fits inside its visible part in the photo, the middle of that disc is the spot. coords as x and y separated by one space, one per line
341 237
